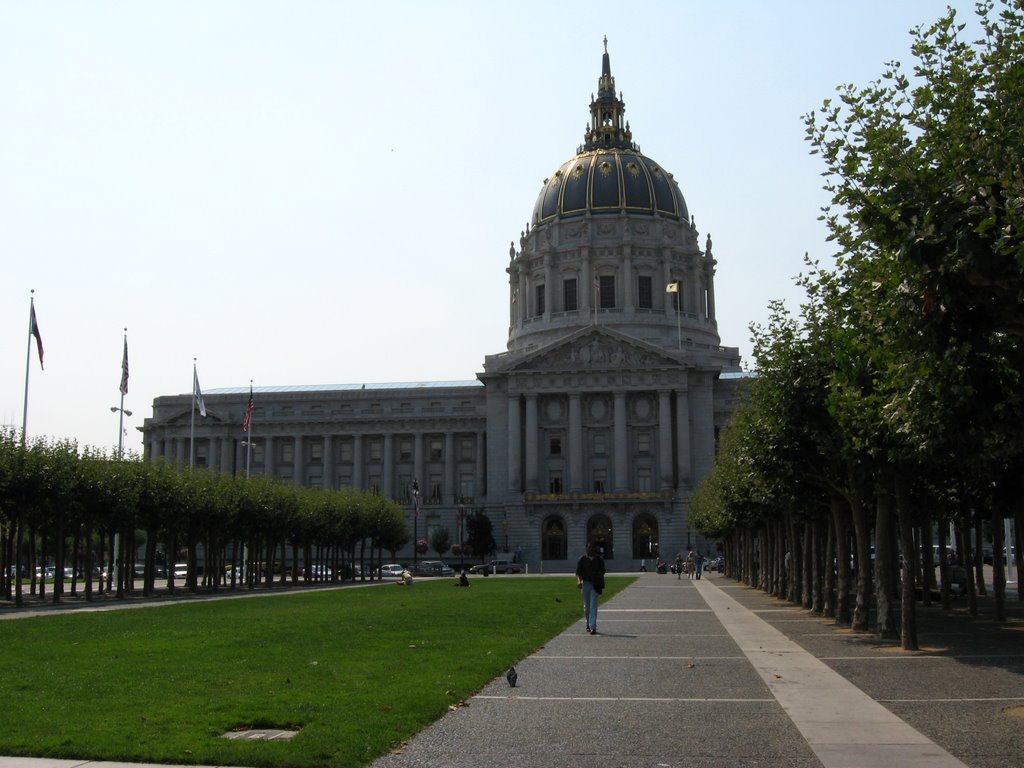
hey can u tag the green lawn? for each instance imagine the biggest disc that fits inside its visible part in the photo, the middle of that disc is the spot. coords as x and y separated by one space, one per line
358 670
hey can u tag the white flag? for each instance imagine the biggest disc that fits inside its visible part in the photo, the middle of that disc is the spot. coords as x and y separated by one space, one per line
198 393
672 287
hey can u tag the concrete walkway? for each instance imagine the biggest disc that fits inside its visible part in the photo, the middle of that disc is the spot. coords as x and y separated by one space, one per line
682 675
693 674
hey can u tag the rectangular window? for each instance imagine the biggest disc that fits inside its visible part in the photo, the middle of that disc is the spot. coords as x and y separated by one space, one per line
556 446
643 442
569 302
644 482
555 481
201 455
467 447
316 451
256 453
607 292
405 449
434 497
376 449
345 452
344 481
436 449
288 453
315 481
644 294
600 443
404 487
600 478
466 486
540 300
374 483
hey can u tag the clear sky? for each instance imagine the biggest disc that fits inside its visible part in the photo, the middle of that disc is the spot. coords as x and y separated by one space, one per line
317 192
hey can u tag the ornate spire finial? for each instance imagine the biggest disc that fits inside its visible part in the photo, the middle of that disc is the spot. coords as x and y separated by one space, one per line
606 129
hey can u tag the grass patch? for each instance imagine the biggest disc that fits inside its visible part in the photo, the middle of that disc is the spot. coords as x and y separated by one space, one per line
358 670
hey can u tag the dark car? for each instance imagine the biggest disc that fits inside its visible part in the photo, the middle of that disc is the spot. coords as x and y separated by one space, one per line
497 566
432 568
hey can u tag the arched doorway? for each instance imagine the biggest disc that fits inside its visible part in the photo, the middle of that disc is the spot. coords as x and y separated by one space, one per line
599 531
645 537
553 542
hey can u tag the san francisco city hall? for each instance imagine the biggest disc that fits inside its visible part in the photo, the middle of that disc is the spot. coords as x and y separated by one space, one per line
596 422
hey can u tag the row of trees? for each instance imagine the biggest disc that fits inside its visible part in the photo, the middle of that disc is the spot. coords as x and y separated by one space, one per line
70 509
891 405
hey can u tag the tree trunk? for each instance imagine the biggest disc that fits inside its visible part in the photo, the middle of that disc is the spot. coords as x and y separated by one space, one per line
979 554
885 597
966 557
844 612
862 532
829 590
908 624
1018 535
998 567
944 585
927 559
817 539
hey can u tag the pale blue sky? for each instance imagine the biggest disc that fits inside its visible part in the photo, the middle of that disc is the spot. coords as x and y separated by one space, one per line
315 192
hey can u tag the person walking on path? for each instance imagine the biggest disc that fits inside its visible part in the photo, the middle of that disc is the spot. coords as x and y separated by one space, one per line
691 561
698 564
679 565
590 580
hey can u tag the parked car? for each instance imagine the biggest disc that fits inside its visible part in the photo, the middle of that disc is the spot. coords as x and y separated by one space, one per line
391 569
497 566
432 568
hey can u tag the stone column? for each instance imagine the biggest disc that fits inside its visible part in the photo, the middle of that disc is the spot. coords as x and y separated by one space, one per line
226 455
628 299
480 467
585 291
620 444
417 464
664 440
548 290
156 449
515 443
387 483
683 437
299 463
531 444
179 451
449 491
710 271
575 479
703 427
357 462
328 478
269 458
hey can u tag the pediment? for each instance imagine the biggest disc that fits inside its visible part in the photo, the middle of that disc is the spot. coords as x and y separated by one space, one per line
596 349
184 417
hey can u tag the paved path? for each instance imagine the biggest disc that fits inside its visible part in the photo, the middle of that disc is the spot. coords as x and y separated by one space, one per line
692 674
684 675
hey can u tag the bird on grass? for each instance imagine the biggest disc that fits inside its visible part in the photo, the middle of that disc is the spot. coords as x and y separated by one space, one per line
512 676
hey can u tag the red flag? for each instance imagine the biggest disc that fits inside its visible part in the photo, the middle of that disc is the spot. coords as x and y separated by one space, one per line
33 330
247 419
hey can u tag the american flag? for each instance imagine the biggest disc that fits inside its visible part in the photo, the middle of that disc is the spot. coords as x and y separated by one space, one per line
124 369
247 420
33 330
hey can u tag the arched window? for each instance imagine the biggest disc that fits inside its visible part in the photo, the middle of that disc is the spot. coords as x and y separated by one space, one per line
645 537
553 544
599 531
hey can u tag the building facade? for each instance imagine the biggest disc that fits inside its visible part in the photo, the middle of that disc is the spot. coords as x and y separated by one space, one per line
597 421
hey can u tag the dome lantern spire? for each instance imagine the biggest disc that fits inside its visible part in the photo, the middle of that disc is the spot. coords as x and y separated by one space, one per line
607 129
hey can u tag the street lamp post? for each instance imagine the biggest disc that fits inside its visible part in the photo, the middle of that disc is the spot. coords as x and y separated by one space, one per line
461 513
248 445
120 455
415 521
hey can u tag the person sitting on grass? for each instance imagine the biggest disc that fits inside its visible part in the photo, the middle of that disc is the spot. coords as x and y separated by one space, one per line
405 580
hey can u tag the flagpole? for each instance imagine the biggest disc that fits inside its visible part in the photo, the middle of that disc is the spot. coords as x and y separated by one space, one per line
192 423
28 361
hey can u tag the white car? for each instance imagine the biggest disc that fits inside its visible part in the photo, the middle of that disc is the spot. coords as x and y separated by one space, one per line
392 569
